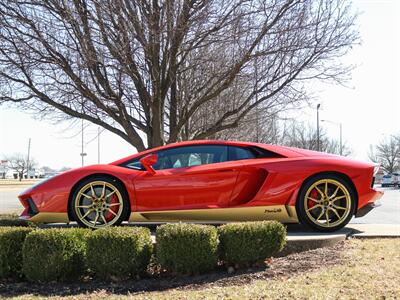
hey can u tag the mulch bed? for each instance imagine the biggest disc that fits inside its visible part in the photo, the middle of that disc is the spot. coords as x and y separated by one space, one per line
282 267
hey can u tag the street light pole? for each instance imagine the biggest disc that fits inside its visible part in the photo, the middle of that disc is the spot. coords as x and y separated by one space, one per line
98 145
27 160
340 134
341 145
83 154
318 106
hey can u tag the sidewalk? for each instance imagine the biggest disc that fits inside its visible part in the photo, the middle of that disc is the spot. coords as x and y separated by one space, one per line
4 183
374 230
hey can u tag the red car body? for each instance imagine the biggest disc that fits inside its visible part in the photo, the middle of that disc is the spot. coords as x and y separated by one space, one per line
264 188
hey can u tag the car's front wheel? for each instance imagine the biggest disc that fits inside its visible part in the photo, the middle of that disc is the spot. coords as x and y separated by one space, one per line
99 202
326 203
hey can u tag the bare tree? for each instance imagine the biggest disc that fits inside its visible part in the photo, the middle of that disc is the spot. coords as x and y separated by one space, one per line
18 163
155 72
387 153
304 136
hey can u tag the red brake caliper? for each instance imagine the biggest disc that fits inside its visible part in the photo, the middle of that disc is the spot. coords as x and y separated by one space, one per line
314 194
109 216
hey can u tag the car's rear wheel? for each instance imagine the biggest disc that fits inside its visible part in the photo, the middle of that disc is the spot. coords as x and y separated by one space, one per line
99 202
326 203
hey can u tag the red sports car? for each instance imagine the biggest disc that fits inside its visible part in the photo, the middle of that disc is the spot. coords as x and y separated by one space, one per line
210 182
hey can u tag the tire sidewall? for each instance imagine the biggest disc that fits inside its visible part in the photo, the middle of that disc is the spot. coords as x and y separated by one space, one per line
114 182
303 218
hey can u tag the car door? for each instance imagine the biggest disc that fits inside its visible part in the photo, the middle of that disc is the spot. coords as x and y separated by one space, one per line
188 177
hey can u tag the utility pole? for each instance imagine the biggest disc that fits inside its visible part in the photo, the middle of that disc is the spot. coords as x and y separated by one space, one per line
83 154
27 160
340 136
341 145
318 106
98 145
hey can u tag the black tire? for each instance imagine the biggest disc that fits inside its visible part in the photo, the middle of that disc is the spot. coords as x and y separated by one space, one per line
337 208
99 211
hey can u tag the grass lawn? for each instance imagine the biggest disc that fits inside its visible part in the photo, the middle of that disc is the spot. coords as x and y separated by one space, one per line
356 269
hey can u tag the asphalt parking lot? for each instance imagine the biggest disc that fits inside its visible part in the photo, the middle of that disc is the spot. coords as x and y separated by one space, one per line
387 213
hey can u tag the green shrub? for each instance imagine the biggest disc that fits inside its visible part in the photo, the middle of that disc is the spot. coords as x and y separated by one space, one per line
11 242
54 254
119 252
251 242
187 248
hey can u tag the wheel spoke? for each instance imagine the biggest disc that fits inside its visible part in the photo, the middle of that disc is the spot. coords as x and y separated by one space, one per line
110 194
334 194
112 204
319 217
84 206
87 213
87 196
326 188
338 198
327 217
319 191
103 192
92 190
336 213
338 207
315 206
312 199
103 218
97 218
111 211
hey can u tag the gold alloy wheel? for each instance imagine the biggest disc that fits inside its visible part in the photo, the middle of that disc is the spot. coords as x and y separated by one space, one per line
98 204
327 203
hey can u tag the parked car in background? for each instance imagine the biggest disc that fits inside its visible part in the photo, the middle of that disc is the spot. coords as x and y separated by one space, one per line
397 179
390 180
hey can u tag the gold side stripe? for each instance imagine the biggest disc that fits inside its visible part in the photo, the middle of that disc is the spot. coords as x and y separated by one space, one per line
282 213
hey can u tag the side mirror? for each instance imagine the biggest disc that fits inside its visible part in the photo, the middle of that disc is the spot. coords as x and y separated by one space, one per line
148 161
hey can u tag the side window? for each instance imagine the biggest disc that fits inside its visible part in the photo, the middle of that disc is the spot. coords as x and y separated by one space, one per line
238 153
135 164
190 156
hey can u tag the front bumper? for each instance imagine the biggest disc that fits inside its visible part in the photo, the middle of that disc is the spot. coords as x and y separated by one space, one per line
33 214
366 209
371 201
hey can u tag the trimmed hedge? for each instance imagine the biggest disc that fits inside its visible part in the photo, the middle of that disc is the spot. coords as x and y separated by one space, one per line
11 243
54 254
187 248
119 252
250 242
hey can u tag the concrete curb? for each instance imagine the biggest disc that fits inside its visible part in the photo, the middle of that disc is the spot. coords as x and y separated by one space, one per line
299 241
375 230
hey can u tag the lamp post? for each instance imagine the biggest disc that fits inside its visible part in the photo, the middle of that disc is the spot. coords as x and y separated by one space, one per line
98 144
82 154
318 106
340 134
27 159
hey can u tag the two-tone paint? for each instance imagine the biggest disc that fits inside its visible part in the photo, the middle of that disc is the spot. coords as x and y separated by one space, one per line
251 189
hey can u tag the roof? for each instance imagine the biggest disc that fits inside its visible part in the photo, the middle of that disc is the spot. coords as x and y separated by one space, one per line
284 151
